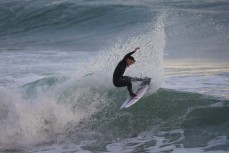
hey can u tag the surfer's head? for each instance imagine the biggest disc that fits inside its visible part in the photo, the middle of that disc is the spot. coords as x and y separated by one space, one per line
130 60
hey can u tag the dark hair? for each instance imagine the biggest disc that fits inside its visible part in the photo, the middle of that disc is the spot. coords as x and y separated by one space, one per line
131 58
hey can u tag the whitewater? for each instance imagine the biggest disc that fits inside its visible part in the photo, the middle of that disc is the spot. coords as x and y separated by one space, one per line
57 60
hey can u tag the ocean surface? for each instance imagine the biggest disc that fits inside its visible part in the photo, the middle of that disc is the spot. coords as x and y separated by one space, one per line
56 64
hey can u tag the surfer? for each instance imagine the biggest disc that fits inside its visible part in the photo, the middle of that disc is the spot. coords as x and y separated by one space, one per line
122 81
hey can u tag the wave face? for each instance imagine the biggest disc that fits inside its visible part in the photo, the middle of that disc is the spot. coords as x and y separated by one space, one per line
56 91
176 117
90 117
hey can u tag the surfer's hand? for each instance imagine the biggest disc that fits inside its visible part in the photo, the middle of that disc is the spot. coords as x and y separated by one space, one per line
136 49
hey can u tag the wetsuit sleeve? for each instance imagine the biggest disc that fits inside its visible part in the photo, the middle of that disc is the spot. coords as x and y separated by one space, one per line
127 55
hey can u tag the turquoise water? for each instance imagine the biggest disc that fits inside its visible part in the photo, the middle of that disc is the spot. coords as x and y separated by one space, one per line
57 59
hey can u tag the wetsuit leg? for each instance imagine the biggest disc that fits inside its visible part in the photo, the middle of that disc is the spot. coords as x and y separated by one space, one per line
132 78
136 79
125 81
126 78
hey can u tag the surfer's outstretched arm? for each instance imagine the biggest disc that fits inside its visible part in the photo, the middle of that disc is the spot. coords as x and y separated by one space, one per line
130 53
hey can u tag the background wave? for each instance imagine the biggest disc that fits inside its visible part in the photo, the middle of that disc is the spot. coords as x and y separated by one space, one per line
191 28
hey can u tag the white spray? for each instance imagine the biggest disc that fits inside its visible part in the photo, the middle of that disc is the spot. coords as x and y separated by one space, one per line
44 117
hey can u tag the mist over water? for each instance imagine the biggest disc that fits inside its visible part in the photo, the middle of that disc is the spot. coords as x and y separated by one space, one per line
57 59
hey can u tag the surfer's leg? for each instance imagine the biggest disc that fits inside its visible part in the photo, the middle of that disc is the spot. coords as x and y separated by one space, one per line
136 79
126 78
132 78
126 81
129 88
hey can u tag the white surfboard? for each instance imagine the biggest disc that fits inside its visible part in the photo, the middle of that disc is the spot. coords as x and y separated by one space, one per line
140 92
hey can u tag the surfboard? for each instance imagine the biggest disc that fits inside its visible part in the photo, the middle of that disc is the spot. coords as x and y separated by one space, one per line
141 90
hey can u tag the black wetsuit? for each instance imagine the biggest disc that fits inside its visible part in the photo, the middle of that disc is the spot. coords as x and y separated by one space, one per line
118 79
